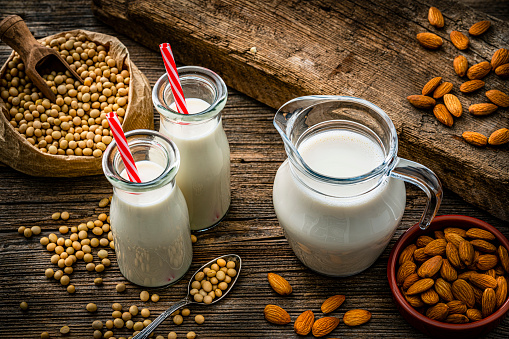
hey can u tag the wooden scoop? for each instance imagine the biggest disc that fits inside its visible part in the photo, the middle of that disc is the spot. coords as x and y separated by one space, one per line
15 33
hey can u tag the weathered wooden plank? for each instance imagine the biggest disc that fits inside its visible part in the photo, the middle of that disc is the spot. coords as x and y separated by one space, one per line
359 48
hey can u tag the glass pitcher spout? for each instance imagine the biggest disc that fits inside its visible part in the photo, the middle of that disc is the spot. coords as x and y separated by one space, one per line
307 116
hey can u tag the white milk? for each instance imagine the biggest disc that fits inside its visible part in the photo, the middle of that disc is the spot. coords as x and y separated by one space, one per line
204 174
338 236
151 231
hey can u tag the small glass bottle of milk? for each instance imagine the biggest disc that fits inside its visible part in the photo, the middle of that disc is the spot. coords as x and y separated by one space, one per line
149 220
204 175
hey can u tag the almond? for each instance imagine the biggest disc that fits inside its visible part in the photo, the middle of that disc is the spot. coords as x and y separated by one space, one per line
459 231
478 295
454 238
443 289
479 28
420 256
459 40
497 97
421 101
429 40
304 323
478 233
471 86
447 271
442 89
479 71
435 17
489 302
456 319
499 137
483 281
453 256
453 105
503 254
324 326
407 268
335 301
500 57
438 312
410 280
466 252
430 267
456 307
436 247
463 292
430 297
443 115
466 275
423 241
499 270
502 71
276 315
420 286
279 284
431 86
483 246
486 262
491 273
475 138
440 234
482 109
474 314
356 317
460 64
407 254
501 291
413 300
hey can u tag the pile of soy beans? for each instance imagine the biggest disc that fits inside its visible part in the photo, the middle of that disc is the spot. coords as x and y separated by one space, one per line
76 123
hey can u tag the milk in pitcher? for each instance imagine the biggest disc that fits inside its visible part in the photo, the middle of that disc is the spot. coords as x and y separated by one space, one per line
330 234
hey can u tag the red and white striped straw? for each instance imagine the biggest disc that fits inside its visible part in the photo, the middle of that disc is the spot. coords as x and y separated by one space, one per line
173 77
123 147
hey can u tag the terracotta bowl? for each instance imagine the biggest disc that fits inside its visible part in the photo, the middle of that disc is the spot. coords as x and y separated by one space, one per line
434 328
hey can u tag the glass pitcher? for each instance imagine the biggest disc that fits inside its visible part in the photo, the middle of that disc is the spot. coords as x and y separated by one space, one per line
337 196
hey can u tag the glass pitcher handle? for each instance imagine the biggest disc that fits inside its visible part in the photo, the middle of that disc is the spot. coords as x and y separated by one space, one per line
425 179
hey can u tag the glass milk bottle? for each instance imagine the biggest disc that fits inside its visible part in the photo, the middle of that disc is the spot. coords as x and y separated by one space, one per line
149 220
340 196
204 175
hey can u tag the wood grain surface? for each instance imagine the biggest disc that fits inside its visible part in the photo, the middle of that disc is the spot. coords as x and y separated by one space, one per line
365 49
250 230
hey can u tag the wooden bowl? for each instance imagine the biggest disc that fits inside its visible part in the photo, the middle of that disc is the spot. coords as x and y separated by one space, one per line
434 328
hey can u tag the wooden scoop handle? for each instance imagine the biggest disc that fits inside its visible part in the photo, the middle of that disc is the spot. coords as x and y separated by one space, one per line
15 33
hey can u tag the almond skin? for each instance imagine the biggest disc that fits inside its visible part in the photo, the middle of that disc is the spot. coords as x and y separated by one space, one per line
454 238
471 86
500 57
482 109
324 326
420 286
435 17
463 292
276 315
443 289
503 254
486 262
438 312
497 97
279 284
453 105
431 86
421 101
407 254
304 323
423 241
474 314
460 64
430 297
489 302
501 291
442 90
475 138
443 115
430 267
410 280
436 247
447 271
456 319
479 28
482 245
466 252
479 71
456 307
459 40
478 233
335 301
407 268
356 317
499 137
429 40
502 71
459 231
452 255
483 281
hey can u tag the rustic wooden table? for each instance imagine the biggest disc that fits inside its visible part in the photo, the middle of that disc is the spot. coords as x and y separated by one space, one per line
250 230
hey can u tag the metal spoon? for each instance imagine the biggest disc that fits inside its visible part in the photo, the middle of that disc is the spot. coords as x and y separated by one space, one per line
188 300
